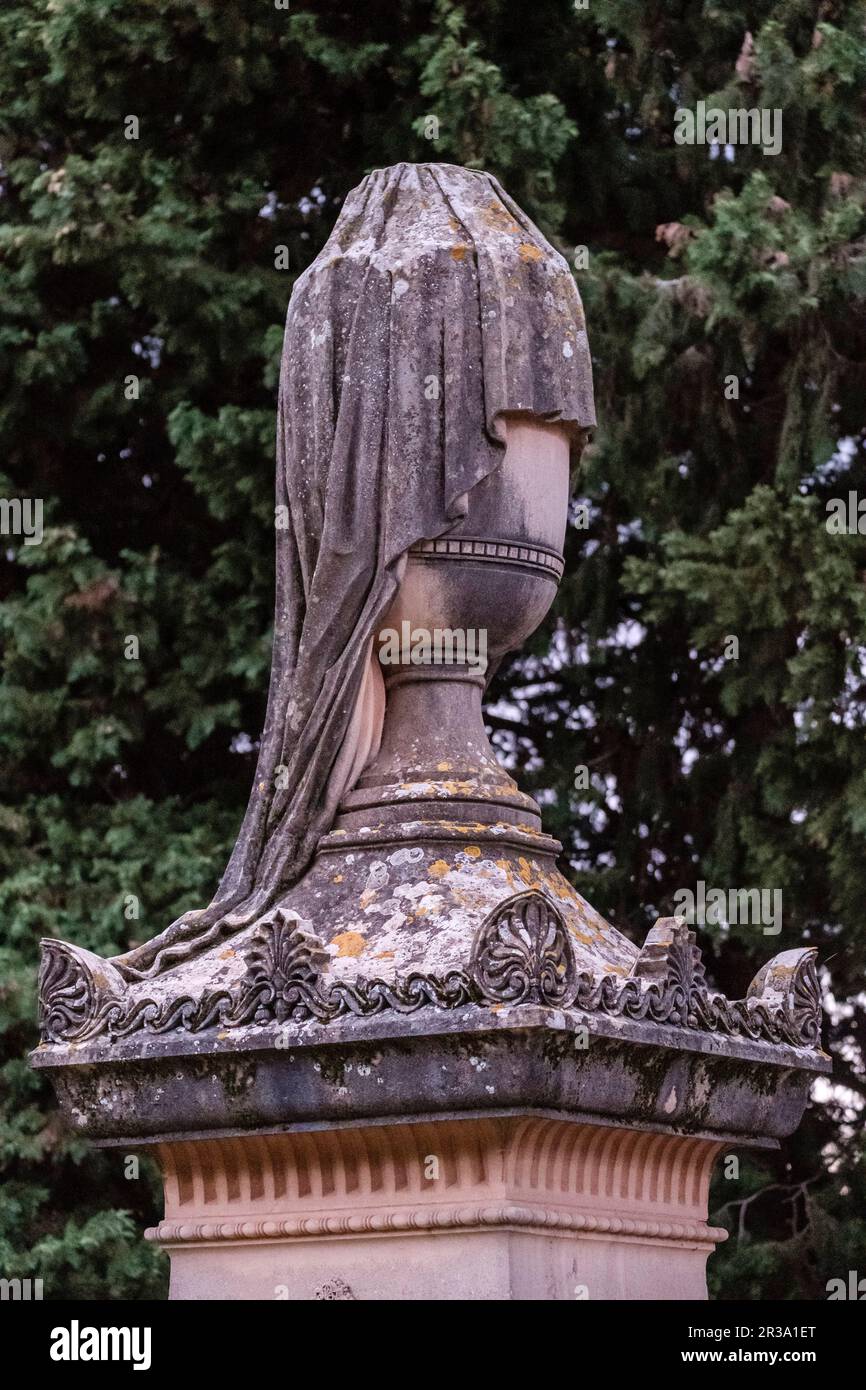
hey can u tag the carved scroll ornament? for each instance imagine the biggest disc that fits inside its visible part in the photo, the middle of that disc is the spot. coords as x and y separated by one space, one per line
522 954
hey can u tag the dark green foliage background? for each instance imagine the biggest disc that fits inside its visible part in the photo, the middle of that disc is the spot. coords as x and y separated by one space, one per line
707 515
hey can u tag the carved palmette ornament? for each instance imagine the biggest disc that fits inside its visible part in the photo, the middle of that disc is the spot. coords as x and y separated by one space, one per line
522 953
77 992
787 987
667 984
670 953
286 979
671 961
288 957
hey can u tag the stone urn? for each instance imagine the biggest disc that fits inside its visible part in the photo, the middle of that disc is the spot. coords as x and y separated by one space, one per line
400 1056
466 599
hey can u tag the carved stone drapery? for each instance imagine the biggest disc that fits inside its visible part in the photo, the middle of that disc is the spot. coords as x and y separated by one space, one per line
410 283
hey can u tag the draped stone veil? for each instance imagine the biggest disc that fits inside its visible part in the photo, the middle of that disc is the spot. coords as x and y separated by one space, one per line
388 416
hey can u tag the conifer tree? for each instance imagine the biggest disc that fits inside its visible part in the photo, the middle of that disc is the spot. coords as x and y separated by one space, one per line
165 173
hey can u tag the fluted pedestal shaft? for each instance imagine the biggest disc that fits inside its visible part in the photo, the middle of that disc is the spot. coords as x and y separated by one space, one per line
494 1208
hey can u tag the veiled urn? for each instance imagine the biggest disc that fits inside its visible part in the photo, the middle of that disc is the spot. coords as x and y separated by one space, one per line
393 969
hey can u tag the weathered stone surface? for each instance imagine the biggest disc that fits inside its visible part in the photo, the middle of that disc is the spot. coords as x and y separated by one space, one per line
392 943
526 947
431 275
432 1061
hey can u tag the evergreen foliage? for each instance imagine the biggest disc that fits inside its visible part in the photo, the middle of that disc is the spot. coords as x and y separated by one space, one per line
155 257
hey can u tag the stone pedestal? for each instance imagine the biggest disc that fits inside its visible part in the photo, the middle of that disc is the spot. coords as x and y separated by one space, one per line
485 1208
439 1148
399 1056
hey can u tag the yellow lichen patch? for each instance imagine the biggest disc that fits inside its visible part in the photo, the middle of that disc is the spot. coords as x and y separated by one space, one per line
473 851
496 216
368 896
227 954
349 943
527 252
458 253
508 870
443 767
439 869
526 873
338 878
559 887
384 955
458 788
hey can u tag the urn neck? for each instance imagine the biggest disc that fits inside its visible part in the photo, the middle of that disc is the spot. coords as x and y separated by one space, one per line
435 761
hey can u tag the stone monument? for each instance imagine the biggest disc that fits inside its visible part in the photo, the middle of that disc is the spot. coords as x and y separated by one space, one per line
398 1056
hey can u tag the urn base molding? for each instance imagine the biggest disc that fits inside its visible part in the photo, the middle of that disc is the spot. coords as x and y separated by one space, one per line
497 1208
